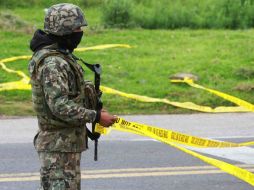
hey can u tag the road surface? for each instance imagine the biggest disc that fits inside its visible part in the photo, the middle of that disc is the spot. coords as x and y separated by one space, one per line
130 162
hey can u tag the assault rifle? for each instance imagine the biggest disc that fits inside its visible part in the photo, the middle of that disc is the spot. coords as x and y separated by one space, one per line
96 68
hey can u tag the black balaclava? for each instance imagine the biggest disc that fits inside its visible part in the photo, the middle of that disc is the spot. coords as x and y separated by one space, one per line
40 39
66 42
70 41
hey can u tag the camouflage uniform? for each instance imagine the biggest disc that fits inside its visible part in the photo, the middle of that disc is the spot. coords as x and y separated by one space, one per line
58 98
60 171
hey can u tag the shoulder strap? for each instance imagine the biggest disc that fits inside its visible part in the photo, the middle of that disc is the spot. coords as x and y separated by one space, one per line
41 55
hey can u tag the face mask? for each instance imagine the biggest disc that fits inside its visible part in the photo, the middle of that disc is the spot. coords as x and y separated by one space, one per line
71 41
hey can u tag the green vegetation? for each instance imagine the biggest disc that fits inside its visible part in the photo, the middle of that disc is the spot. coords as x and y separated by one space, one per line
173 14
223 60
35 3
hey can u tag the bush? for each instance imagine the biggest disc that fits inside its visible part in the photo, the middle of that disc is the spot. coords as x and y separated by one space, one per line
172 14
28 3
15 3
11 22
118 13
167 14
91 3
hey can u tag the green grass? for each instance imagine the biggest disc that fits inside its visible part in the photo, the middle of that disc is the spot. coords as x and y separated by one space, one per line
173 14
216 56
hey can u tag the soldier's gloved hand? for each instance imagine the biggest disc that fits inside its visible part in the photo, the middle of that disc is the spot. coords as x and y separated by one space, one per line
106 119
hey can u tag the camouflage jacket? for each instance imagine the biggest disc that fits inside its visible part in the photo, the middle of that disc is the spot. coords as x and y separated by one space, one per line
55 90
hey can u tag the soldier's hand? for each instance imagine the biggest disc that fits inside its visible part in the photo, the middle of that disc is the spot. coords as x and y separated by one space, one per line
106 119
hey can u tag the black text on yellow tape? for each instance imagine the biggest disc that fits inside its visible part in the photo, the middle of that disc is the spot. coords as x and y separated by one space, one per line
176 140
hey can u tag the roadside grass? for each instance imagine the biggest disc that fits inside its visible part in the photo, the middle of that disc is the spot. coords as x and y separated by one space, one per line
215 56
175 14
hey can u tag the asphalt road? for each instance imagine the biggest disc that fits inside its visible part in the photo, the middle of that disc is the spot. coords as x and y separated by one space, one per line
131 162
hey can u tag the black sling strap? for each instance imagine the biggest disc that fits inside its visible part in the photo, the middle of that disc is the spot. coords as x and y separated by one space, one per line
96 68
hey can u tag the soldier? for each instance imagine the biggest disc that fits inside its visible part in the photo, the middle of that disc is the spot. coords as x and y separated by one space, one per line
58 98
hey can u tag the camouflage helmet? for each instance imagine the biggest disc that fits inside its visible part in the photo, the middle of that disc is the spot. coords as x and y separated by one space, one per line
62 19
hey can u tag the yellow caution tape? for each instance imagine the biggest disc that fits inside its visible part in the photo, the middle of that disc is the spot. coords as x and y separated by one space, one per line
23 84
23 57
247 143
18 85
20 73
228 97
186 105
166 136
163 136
102 130
172 136
100 47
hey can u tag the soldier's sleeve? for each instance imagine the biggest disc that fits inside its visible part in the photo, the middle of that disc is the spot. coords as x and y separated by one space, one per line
54 78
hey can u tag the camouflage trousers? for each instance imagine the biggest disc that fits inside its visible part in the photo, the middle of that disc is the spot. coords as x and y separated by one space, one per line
60 170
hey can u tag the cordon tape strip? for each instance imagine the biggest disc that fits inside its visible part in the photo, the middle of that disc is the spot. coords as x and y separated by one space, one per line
174 139
186 105
177 137
167 136
225 96
23 84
